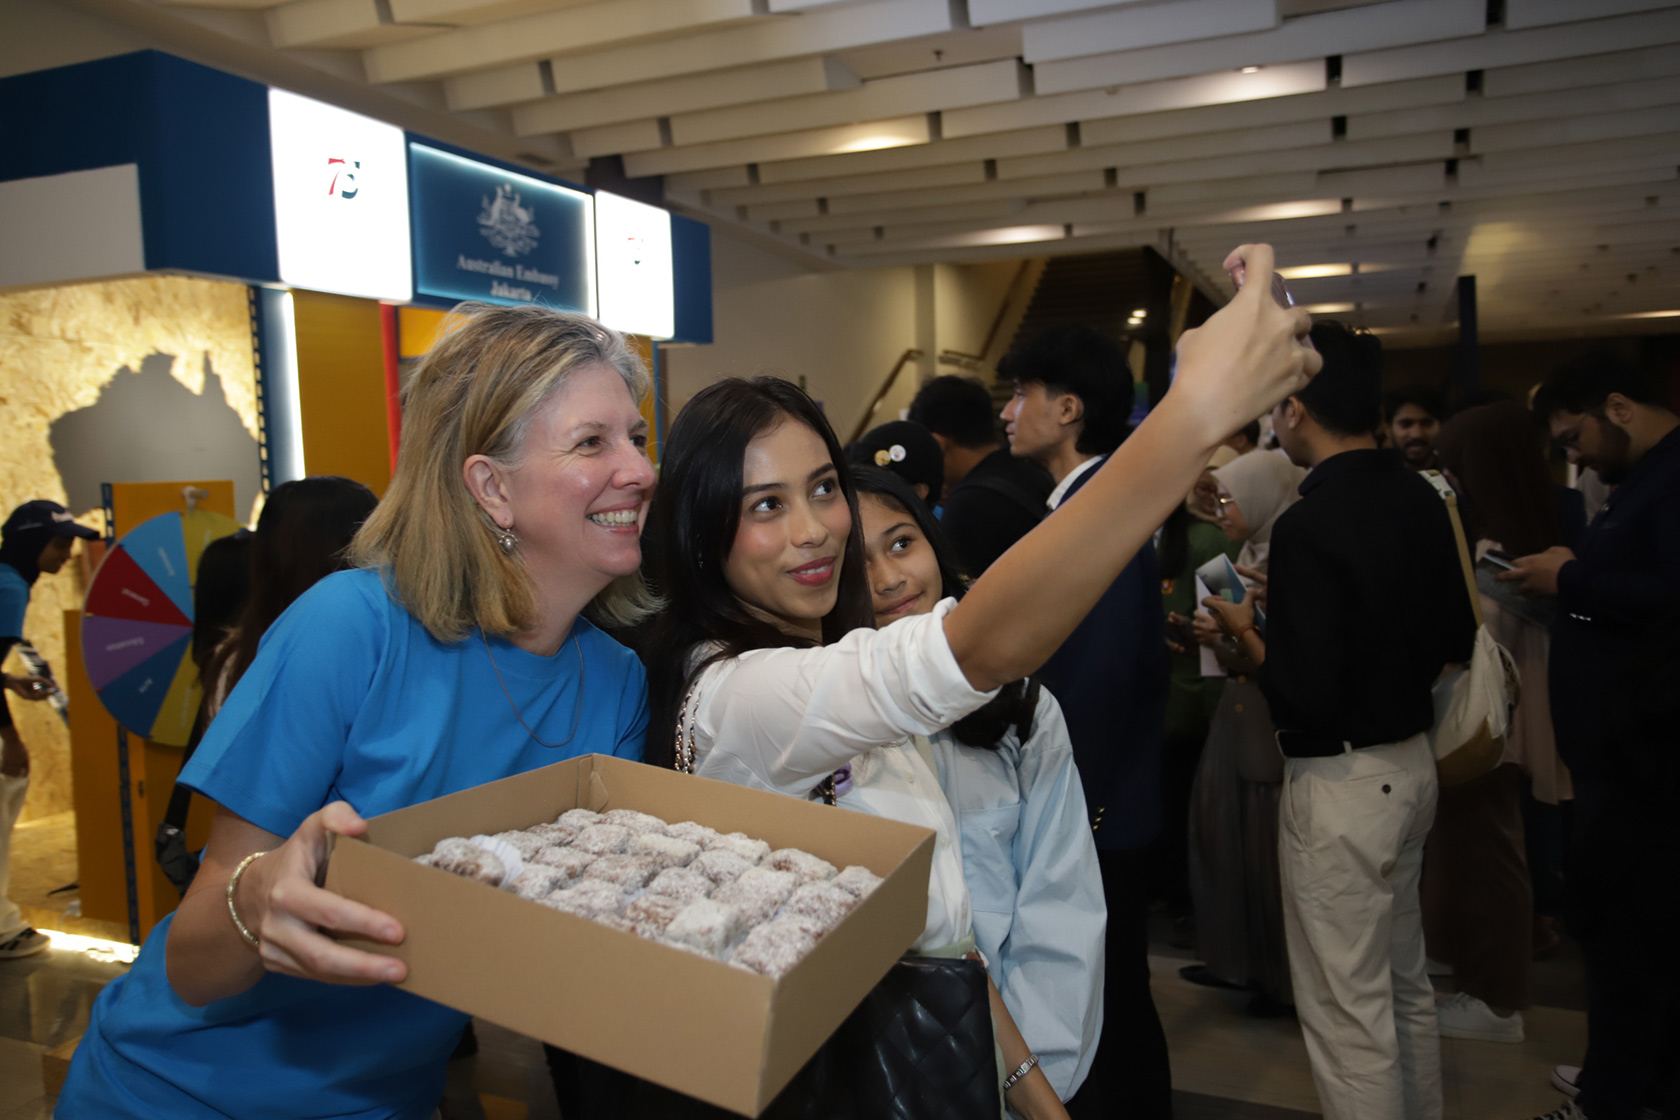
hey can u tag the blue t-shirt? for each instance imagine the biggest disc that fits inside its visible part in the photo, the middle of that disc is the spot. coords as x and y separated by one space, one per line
14 601
349 698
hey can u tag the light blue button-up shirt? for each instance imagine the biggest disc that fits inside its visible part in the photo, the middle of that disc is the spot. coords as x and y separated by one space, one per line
1031 869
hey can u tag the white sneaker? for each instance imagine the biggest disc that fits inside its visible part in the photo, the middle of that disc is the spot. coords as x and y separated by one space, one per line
1569 1111
26 942
1465 1016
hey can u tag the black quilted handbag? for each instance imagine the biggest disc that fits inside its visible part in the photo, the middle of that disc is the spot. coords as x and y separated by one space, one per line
919 1047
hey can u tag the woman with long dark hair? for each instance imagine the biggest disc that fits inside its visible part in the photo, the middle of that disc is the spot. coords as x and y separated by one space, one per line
1478 896
245 582
1007 771
766 669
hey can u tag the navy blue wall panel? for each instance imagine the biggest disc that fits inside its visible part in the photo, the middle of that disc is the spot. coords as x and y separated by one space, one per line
199 136
691 267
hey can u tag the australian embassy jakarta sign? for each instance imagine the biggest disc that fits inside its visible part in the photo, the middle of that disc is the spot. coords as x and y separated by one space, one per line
485 233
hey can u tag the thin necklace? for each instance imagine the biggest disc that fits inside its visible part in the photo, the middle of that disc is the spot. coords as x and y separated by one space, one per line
576 712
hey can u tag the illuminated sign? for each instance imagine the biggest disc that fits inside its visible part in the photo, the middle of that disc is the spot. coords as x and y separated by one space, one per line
484 233
633 260
340 199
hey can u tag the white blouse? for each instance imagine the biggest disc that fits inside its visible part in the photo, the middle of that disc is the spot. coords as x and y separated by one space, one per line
784 719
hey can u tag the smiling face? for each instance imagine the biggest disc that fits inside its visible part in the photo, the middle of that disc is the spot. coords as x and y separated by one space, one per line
576 495
1414 432
903 570
785 560
1231 517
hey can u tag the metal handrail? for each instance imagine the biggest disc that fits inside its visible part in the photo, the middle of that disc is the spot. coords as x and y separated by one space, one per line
904 359
997 320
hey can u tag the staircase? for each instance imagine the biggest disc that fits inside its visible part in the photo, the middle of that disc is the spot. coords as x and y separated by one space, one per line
1098 290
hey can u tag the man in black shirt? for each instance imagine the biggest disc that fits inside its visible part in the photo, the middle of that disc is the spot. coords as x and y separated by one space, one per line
992 499
1368 604
1618 598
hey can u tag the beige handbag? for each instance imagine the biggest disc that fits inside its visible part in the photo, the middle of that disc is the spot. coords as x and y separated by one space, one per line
1473 705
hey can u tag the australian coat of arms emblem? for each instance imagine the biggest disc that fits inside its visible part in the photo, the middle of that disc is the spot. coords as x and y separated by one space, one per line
506 224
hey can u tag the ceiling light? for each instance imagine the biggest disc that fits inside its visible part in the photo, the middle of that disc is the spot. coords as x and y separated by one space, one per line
1009 235
1327 308
1313 271
1140 313
875 143
1652 315
1249 70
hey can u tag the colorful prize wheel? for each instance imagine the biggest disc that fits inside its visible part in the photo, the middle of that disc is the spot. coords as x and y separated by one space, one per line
137 624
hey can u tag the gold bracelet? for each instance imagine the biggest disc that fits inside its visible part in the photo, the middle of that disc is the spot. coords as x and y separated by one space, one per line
233 884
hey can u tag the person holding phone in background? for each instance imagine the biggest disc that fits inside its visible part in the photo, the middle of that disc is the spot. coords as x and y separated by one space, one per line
36 540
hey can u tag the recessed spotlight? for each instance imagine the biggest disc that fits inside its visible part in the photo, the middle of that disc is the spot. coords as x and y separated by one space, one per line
1140 313
1250 70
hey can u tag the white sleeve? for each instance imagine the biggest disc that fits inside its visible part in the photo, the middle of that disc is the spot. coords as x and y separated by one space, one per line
784 719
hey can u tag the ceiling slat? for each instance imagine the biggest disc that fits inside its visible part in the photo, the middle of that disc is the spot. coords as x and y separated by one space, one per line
789 145
715 89
930 92
763 40
581 28
1144 26
1316 36
1144 97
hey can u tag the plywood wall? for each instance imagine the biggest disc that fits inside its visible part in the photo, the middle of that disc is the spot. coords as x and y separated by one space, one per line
77 350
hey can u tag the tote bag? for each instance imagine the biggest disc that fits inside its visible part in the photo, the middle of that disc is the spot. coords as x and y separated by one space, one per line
1473 704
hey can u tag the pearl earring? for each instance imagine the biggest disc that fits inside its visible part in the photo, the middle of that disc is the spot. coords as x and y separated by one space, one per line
508 542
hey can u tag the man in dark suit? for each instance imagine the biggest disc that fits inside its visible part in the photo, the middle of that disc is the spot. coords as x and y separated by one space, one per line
1073 397
1618 597
992 499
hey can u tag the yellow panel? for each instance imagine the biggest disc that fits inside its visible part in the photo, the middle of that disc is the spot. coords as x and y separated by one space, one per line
174 722
95 789
644 347
417 329
341 388
198 529
134 502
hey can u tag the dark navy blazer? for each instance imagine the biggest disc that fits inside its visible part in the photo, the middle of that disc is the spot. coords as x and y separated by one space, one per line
1110 678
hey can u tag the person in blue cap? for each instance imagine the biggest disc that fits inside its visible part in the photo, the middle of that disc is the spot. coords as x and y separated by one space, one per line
38 537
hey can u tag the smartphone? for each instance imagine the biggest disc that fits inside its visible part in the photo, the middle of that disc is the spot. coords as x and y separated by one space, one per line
1280 293
1501 560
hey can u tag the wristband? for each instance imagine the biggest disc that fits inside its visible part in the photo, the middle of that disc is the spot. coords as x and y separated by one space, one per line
1020 1071
233 884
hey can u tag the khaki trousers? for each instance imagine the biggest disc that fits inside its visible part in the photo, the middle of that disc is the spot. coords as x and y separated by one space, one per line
12 791
1351 833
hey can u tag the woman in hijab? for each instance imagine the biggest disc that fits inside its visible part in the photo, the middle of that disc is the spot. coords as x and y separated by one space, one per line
1190 538
1233 834
1478 901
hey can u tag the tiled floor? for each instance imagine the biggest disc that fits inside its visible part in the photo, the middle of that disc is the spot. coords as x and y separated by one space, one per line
1226 1066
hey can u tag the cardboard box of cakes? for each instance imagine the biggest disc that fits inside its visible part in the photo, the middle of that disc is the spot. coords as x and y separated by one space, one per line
717 966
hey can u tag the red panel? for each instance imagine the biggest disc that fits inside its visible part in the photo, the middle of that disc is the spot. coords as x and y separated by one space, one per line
121 590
